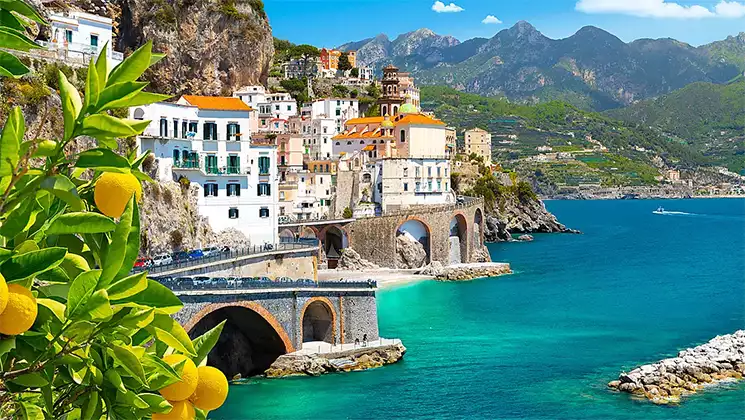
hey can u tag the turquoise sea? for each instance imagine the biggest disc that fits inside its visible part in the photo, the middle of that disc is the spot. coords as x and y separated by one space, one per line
542 343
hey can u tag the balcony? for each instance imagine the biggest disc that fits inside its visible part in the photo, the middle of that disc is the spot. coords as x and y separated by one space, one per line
233 170
186 164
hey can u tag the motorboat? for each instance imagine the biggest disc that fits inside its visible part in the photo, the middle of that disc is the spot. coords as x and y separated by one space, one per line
660 210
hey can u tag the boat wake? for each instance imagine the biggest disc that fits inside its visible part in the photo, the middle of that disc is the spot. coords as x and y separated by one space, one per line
674 213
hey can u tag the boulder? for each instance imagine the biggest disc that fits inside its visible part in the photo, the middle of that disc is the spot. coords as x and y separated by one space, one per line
409 252
351 260
525 238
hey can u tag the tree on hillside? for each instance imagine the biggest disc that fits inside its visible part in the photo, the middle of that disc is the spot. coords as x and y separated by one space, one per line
306 53
373 90
344 63
340 91
355 72
298 88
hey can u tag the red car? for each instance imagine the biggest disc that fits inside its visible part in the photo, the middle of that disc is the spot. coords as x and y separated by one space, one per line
143 262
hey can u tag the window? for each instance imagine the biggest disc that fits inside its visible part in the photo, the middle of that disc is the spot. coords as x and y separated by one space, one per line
210 131
418 186
348 143
429 185
68 36
276 107
325 140
418 169
439 185
429 172
264 163
210 190
193 127
406 186
406 172
403 136
175 128
327 167
263 189
184 129
210 164
362 142
94 40
234 190
338 112
446 171
338 103
233 213
446 186
233 129
176 156
281 195
338 143
321 180
289 107
264 212
163 127
438 171
325 130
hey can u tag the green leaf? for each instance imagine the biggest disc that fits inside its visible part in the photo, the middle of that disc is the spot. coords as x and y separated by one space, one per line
204 343
80 331
32 263
156 296
62 187
129 361
155 57
92 86
31 411
81 222
91 405
9 20
7 344
98 306
16 40
145 98
156 403
22 8
169 331
102 67
118 246
80 291
102 159
104 125
20 219
71 105
118 95
112 376
159 373
128 286
10 141
133 244
137 319
142 176
133 67
30 380
11 66
57 308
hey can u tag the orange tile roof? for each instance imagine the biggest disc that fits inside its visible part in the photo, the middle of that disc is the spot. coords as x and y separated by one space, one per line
368 148
366 120
217 103
418 119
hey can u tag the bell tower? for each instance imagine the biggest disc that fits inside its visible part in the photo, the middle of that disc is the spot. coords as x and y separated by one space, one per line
391 99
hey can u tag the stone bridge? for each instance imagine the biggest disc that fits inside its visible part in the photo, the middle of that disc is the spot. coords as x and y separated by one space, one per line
449 233
265 322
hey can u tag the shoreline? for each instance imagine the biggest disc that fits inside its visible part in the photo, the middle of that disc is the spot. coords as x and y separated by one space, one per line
706 197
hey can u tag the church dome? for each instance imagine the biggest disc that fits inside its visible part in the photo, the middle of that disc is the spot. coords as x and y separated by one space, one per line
387 123
408 108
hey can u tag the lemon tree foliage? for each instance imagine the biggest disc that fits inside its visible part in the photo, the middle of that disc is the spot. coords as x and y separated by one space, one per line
80 336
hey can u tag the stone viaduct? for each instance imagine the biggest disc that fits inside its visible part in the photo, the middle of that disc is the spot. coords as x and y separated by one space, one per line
262 324
374 238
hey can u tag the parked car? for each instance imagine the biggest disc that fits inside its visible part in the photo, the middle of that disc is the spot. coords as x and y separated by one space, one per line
211 251
202 281
220 282
225 250
143 263
284 279
184 283
162 259
460 199
196 254
180 256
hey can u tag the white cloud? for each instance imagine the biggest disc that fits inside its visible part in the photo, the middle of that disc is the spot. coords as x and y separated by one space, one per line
441 7
730 9
662 9
491 19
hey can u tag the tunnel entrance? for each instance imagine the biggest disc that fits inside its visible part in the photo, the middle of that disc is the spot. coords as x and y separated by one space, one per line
334 241
412 245
248 344
318 323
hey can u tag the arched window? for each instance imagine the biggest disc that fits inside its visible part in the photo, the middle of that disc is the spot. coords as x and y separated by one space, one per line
348 143
403 136
362 142
139 114
385 110
338 143
395 110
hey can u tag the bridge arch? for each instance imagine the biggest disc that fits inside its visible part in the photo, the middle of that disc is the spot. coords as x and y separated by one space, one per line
478 228
251 340
421 232
458 239
318 321
333 239
287 235
309 232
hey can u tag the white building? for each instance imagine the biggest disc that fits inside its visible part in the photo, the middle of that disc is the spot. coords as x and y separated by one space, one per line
77 36
322 120
207 141
401 183
274 109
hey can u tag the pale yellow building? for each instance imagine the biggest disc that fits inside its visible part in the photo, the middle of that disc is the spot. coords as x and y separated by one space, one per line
478 141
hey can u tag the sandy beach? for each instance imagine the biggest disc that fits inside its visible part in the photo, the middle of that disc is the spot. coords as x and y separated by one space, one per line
386 277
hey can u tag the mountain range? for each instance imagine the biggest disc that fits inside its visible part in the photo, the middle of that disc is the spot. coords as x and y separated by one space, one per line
591 69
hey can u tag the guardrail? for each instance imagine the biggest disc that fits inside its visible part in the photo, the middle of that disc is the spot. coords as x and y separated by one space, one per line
250 283
227 255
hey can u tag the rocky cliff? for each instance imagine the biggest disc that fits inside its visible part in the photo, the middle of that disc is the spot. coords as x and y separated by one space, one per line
212 47
520 216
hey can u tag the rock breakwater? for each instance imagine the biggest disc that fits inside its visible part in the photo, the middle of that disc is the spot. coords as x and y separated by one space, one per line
665 382
460 272
344 361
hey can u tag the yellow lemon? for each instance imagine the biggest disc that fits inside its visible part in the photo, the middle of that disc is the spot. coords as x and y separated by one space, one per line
3 293
113 192
182 410
182 389
20 312
212 389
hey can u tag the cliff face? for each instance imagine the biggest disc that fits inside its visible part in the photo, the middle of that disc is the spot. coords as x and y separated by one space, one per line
211 47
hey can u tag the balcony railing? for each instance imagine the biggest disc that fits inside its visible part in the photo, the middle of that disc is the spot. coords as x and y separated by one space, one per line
233 170
211 170
186 164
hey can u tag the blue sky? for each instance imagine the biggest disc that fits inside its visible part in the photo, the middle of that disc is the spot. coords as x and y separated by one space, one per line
329 23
